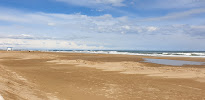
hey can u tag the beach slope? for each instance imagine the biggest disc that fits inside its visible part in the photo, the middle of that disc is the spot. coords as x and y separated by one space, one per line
74 76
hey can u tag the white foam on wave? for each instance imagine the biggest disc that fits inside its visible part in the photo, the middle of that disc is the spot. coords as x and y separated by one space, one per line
168 54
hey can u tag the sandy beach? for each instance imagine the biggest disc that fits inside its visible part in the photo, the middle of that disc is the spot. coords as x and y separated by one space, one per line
75 76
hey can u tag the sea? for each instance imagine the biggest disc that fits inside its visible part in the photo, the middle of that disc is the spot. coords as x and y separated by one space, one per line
140 52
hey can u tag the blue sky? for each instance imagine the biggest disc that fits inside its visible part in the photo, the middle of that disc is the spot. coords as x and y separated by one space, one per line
103 24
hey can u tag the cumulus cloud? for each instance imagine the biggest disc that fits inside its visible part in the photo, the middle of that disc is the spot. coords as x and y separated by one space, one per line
151 28
64 24
194 31
77 31
45 44
73 23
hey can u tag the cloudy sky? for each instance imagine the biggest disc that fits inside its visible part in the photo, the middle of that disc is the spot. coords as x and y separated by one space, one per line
103 24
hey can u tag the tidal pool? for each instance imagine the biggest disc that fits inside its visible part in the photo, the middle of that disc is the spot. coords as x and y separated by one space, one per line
173 62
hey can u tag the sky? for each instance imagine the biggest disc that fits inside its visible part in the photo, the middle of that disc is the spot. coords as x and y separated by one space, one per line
103 24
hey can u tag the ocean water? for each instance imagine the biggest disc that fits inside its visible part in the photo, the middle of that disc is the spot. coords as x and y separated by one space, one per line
143 53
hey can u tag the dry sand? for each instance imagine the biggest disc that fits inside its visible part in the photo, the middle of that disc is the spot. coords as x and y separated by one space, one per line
75 76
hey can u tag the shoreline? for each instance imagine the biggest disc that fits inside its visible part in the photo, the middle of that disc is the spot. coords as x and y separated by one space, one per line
183 58
82 76
127 53
123 53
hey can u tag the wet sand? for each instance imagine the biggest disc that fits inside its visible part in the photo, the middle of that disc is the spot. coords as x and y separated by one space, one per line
74 76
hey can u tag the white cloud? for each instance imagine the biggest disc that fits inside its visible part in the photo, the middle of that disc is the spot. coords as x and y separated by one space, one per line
51 24
70 23
168 4
64 24
177 15
198 26
94 3
196 30
126 27
77 31
38 23
44 44
181 3
151 28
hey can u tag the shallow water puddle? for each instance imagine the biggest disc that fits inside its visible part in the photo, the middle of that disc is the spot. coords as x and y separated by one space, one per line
173 62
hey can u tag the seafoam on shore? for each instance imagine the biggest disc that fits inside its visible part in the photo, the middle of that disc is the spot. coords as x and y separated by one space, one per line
142 53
